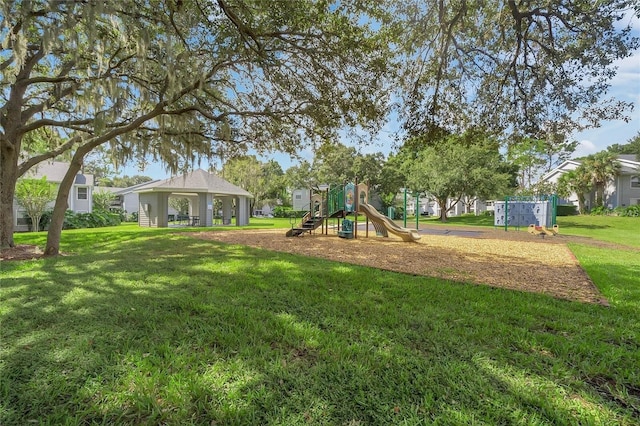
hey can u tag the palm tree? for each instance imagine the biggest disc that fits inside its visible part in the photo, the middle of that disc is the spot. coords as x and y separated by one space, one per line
603 167
578 181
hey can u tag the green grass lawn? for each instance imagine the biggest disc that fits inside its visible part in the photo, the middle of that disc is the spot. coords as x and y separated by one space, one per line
150 326
621 230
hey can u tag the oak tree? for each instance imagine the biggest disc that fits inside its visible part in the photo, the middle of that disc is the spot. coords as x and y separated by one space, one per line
535 69
457 166
176 81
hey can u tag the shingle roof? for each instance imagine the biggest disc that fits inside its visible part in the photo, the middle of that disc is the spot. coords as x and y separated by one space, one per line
197 181
107 189
629 157
123 191
55 171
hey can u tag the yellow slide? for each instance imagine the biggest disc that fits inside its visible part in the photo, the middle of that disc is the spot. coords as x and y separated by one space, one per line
380 219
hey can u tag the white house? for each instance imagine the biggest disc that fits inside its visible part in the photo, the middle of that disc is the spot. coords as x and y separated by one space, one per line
128 199
622 191
80 197
428 206
265 210
301 199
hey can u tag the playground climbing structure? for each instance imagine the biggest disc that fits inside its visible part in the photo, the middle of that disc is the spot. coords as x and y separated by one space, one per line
341 201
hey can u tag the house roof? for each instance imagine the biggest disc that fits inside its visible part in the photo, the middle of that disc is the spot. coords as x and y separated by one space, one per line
561 169
197 181
628 165
130 189
629 157
107 189
55 171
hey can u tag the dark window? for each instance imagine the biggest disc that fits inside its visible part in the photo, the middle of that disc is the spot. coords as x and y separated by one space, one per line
635 181
23 218
82 193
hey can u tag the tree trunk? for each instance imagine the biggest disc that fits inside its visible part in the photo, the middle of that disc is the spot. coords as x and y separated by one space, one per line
600 195
8 179
581 204
443 209
36 223
60 208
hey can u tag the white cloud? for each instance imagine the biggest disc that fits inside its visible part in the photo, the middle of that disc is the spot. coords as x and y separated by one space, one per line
585 147
628 74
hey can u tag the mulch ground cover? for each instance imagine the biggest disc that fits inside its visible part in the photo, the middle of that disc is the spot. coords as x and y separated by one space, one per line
512 260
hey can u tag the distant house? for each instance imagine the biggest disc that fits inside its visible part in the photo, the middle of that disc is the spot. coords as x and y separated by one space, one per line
265 210
201 188
301 199
128 199
428 206
622 191
80 197
117 201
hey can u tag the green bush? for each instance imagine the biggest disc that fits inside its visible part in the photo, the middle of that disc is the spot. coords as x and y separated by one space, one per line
399 213
95 219
566 210
600 211
281 211
45 220
120 212
631 211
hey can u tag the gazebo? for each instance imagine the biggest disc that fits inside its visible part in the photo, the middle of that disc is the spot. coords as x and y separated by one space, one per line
201 188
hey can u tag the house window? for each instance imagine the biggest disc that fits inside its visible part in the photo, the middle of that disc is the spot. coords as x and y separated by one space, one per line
82 193
298 196
23 218
635 181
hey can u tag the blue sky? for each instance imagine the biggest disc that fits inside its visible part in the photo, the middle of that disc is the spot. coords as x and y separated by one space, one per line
625 86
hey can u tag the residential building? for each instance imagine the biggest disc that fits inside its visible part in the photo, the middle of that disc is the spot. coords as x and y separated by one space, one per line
622 191
80 196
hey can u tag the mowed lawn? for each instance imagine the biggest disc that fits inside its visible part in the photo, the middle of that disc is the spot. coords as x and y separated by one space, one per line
143 326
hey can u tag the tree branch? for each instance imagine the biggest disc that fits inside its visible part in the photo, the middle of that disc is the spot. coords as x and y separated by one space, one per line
26 165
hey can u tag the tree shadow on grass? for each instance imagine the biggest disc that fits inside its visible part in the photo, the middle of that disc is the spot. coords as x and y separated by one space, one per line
169 329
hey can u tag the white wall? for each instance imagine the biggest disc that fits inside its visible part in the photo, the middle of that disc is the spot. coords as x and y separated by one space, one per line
301 199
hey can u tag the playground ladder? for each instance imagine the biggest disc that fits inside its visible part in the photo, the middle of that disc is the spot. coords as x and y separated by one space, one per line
309 224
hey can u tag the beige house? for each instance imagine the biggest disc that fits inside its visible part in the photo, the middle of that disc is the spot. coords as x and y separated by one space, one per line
205 192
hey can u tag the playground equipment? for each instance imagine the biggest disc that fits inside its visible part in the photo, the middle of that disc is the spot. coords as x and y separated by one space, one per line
339 202
333 203
524 211
542 230
347 229
311 221
383 224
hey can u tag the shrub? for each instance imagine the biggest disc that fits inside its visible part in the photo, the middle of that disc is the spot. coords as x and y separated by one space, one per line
96 219
120 212
600 211
281 211
398 213
631 211
566 210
